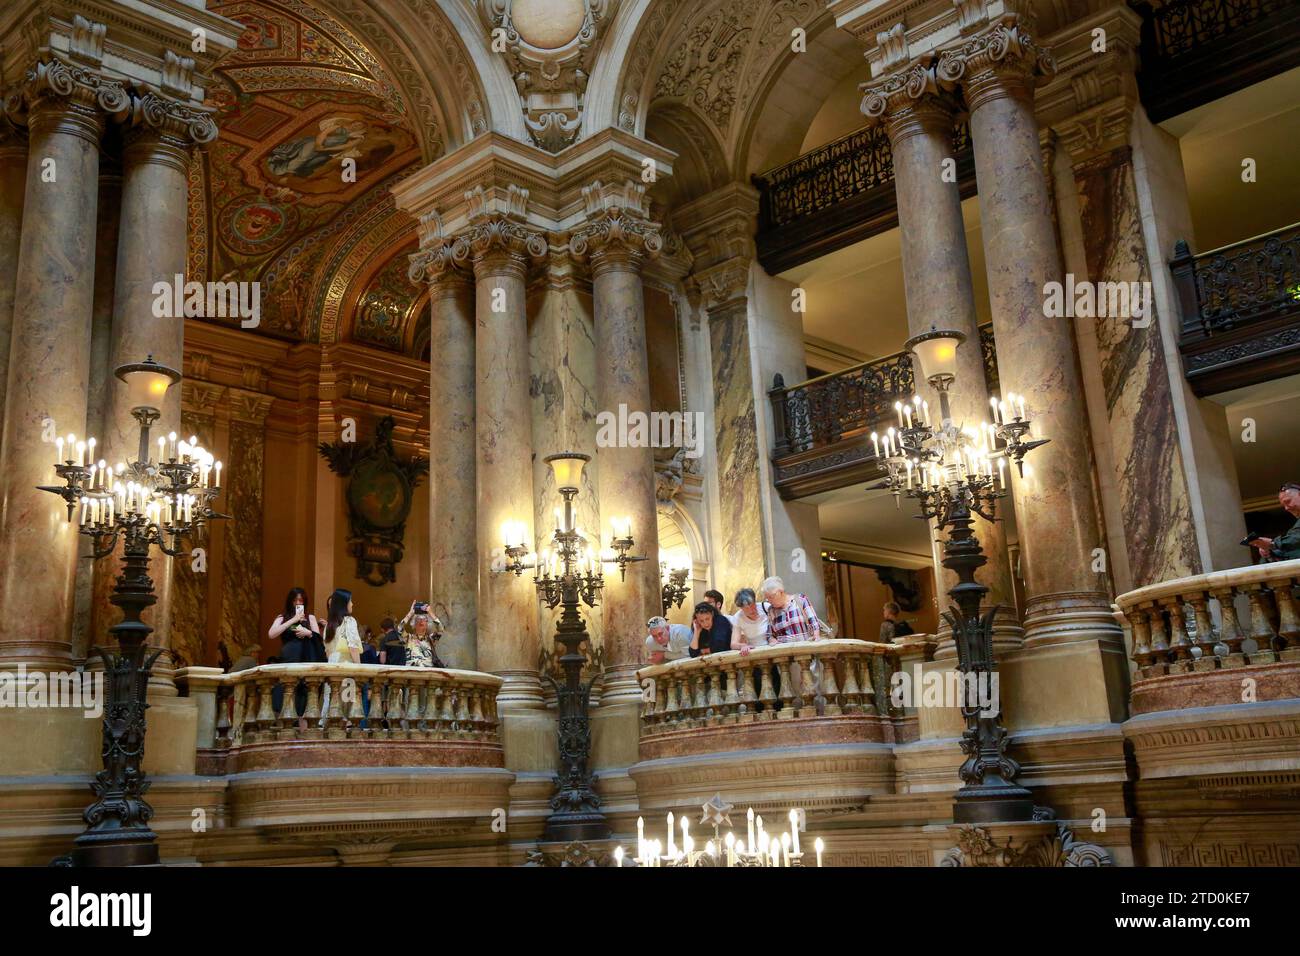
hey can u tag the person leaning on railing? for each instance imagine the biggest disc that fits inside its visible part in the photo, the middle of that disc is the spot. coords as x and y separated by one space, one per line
666 642
1286 546
749 629
791 616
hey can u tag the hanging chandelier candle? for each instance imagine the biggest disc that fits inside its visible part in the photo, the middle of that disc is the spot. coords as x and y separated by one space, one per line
164 501
955 472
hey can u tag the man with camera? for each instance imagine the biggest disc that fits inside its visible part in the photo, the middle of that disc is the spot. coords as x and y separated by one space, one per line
1286 546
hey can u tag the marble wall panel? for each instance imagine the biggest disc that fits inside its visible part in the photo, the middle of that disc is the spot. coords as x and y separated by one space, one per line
1152 482
242 562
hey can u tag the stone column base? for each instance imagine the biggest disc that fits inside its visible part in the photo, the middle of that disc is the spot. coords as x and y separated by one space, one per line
1035 843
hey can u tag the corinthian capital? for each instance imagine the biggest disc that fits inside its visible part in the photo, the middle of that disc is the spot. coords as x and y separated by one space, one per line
617 238
53 87
498 241
443 264
1001 60
169 118
909 101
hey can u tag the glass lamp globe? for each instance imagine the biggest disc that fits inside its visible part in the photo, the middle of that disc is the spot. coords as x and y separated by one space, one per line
147 382
936 352
567 468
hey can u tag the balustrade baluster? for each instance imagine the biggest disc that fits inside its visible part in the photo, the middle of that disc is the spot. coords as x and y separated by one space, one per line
713 698
313 712
852 693
1261 628
831 687
237 720
265 714
1231 633
767 694
1288 622
334 716
786 695
1180 646
1203 649
731 704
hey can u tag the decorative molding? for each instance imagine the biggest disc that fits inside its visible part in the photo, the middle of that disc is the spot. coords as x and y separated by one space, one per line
550 71
976 846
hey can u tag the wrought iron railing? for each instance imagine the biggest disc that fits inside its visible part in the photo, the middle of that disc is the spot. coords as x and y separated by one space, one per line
1182 26
1247 282
849 403
849 166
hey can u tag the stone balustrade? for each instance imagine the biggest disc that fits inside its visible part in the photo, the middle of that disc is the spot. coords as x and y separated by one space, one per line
1211 627
279 716
805 692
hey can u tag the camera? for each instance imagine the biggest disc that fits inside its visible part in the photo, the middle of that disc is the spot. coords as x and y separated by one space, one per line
422 607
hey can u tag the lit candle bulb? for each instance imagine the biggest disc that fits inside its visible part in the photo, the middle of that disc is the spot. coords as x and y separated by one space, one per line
90 449
94 470
750 816
671 834
711 849
925 412
58 454
618 856
898 407
1020 406
81 453
217 480
1002 481
110 510
794 830
907 415
818 845
785 849
85 510
993 403
908 462
640 837
103 474
194 440
162 448
171 444
875 443
730 842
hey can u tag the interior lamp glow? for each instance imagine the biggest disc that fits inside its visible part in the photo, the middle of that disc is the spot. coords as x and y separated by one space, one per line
566 466
147 382
936 352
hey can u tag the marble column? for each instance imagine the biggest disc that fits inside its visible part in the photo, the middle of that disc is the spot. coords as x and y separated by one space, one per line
937 281
1058 518
95 615
49 361
13 187
151 248
453 536
507 615
618 241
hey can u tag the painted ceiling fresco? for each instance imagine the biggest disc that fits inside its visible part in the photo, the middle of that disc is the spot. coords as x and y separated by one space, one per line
294 192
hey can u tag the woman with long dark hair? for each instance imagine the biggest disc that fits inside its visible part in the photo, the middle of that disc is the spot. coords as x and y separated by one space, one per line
300 633
342 638
299 630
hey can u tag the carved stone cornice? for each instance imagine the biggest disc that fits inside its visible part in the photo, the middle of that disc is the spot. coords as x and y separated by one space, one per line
1002 60
617 235
909 101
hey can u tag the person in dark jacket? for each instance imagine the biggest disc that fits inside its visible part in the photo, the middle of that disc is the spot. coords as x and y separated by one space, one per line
710 631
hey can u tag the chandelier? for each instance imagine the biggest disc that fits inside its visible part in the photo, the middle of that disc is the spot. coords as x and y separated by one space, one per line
758 848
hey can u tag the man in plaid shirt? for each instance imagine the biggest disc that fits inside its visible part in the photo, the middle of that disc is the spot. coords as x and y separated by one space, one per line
791 616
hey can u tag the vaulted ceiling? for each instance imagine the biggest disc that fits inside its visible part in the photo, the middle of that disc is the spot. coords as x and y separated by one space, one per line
294 193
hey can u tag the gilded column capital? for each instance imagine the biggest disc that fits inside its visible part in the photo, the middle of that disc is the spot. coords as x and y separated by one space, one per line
909 101
69 98
1002 60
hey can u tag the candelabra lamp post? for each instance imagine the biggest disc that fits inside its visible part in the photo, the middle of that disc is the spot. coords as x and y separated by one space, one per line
956 473
568 576
145 502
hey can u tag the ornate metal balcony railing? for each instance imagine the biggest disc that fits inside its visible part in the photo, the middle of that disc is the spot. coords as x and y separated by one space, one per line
1241 310
1214 629
836 195
416 716
832 691
821 424
1194 51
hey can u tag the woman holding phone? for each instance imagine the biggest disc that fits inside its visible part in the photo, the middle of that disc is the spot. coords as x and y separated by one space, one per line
300 636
